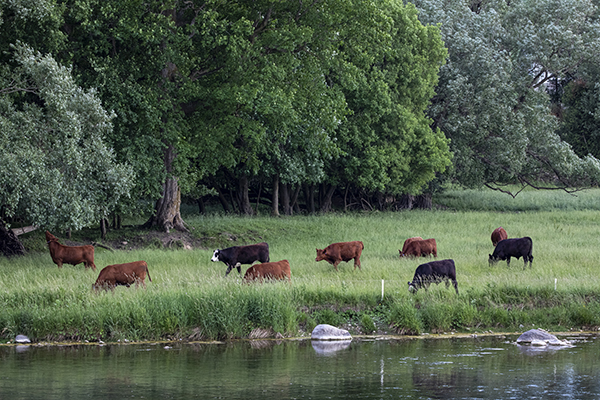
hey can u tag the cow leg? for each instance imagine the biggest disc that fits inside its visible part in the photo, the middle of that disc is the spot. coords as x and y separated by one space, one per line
335 264
455 285
357 262
229 267
508 262
239 268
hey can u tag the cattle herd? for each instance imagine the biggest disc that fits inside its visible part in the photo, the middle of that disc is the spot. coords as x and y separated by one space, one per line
234 257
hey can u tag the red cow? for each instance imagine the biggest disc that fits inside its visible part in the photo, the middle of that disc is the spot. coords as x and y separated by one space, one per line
279 270
498 235
421 248
335 253
70 254
406 242
127 274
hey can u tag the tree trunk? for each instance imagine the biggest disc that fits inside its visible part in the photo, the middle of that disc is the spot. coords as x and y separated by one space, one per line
103 229
309 194
406 201
380 201
116 223
243 196
223 200
285 199
167 214
258 197
201 206
294 201
327 200
10 245
275 197
424 201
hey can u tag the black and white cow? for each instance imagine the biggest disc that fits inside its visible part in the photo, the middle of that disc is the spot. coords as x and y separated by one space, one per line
434 272
518 247
237 255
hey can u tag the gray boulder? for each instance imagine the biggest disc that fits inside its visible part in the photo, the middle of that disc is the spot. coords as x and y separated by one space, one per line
328 332
539 337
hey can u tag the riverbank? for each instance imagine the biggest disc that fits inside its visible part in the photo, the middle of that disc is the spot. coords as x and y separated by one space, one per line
190 299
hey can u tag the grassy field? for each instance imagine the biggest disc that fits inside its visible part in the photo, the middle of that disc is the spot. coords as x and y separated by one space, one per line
189 298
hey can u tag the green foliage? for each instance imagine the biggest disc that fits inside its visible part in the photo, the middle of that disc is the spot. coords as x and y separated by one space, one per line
404 317
57 171
387 143
367 324
491 100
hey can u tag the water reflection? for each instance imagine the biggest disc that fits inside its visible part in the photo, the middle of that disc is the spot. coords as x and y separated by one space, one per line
482 368
327 348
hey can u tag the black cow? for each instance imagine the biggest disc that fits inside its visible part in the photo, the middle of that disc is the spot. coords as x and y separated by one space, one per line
434 272
237 255
518 247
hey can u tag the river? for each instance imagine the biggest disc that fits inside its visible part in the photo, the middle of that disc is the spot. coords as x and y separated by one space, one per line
491 367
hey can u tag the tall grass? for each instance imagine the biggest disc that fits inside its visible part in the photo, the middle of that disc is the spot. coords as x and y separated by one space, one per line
189 297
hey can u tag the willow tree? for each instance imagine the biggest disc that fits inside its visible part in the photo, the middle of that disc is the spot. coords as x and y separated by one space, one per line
492 98
57 172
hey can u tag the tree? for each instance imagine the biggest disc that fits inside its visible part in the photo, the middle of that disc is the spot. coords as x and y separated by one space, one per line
492 100
56 173
577 105
386 141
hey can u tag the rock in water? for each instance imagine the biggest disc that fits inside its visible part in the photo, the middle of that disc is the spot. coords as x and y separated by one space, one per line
328 332
22 339
539 337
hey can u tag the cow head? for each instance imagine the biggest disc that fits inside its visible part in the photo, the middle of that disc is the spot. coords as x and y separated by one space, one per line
412 288
320 254
492 260
50 237
215 256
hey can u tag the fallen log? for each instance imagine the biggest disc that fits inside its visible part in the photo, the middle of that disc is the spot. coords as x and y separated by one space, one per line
23 230
95 244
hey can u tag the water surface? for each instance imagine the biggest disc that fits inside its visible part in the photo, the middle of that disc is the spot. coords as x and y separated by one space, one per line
465 368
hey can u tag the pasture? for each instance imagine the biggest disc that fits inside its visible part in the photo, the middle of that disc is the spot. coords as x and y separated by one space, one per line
189 297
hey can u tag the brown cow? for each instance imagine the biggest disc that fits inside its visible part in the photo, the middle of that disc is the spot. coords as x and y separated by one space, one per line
421 248
70 254
279 270
335 253
406 242
498 235
126 274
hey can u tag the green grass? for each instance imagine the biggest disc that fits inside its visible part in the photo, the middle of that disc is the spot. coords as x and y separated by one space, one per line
189 297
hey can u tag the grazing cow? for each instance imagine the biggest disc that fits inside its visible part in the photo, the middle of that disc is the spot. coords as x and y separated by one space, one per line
279 270
70 254
498 235
406 243
335 253
127 274
421 248
518 247
237 255
434 272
